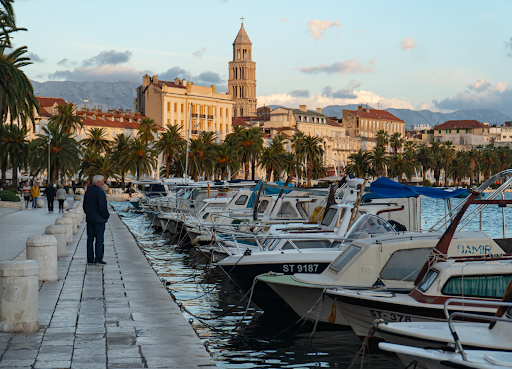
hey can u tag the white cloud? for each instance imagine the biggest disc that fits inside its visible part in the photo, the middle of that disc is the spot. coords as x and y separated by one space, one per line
317 28
108 73
348 66
480 95
408 43
321 100
199 53
108 57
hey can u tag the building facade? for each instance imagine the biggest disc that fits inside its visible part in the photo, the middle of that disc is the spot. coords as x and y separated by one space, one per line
242 76
463 133
169 103
365 123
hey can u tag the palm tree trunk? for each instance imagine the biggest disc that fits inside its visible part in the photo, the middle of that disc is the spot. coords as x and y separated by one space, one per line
310 172
253 164
4 173
167 167
246 168
14 171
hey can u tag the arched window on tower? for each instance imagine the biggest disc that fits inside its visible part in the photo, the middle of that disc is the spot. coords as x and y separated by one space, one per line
245 53
238 54
236 73
241 112
234 112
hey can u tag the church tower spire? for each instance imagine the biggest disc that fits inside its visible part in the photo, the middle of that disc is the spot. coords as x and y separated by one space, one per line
242 76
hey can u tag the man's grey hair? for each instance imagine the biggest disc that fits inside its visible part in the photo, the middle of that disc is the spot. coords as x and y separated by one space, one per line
97 179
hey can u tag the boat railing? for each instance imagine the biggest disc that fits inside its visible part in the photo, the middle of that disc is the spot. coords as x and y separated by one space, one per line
451 316
468 217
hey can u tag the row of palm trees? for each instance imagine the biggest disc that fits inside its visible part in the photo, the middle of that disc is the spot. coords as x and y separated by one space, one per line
405 159
242 151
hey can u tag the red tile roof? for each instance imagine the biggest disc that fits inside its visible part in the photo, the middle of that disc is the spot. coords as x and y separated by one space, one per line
375 114
239 122
333 123
49 101
44 113
461 124
108 123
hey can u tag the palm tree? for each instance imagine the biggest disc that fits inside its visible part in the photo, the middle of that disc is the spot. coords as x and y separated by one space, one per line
103 165
250 142
225 159
438 157
64 153
142 158
382 138
4 156
271 160
379 160
459 169
208 139
400 166
15 145
504 155
291 166
472 156
96 139
309 148
170 143
359 164
425 159
199 160
488 162
448 152
121 154
67 119
319 169
396 142
147 130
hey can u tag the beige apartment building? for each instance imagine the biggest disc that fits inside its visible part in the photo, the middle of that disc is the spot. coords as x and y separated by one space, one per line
169 103
365 123
337 145
463 133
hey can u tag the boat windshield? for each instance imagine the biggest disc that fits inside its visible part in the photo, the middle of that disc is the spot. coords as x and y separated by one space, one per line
368 225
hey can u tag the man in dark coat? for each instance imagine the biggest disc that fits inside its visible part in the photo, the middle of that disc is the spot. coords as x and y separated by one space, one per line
50 193
96 215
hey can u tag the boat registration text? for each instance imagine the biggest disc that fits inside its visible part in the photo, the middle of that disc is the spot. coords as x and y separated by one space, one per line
300 268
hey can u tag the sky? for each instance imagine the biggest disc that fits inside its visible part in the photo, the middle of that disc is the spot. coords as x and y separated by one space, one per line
436 55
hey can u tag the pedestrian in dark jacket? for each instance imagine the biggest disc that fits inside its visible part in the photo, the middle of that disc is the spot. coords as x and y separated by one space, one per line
96 215
50 193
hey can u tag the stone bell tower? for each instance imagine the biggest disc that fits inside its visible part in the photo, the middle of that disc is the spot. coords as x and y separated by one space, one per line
242 76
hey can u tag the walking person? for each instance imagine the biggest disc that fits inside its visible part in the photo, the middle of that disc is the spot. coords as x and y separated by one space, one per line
26 193
35 191
61 197
50 193
96 215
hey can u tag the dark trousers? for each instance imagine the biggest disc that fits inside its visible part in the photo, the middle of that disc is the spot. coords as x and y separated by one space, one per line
50 203
95 231
61 205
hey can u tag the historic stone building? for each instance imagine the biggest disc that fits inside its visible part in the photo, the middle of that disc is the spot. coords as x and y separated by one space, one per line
242 76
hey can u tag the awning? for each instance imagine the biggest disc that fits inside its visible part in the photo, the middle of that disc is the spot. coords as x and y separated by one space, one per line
385 187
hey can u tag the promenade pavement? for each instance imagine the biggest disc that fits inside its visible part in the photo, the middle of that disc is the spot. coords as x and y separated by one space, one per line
114 316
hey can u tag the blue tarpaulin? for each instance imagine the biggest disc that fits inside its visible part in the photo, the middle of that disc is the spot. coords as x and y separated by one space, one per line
266 191
385 187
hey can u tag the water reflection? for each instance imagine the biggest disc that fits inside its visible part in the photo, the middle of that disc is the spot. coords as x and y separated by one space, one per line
260 340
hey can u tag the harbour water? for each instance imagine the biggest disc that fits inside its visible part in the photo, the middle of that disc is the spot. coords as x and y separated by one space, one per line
251 339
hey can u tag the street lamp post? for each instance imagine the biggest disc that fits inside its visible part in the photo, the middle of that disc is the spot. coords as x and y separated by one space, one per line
49 141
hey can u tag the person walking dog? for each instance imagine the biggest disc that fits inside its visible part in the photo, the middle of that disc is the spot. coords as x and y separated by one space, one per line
96 215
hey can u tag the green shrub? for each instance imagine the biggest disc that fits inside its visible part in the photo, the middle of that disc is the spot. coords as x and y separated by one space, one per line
13 190
9 196
427 183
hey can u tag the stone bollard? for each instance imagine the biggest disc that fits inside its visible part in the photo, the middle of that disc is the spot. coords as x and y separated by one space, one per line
78 214
19 283
77 197
59 232
68 222
74 219
40 203
43 249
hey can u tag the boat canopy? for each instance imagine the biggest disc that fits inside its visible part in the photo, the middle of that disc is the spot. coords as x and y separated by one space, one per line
269 189
386 188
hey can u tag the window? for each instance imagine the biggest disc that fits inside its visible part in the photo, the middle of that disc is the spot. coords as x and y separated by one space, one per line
428 279
487 286
221 112
287 211
263 206
175 122
182 108
241 200
113 133
405 265
467 130
344 258
439 131
457 130
175 107
309 244
168 106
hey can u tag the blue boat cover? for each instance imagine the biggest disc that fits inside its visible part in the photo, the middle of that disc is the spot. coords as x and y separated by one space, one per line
266 191
387 188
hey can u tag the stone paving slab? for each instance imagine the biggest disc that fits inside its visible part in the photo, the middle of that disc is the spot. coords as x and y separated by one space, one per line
114 316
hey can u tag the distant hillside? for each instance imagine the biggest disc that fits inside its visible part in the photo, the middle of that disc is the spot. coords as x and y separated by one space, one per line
119 94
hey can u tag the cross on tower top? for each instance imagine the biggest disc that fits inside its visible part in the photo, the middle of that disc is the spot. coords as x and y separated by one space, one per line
242 18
